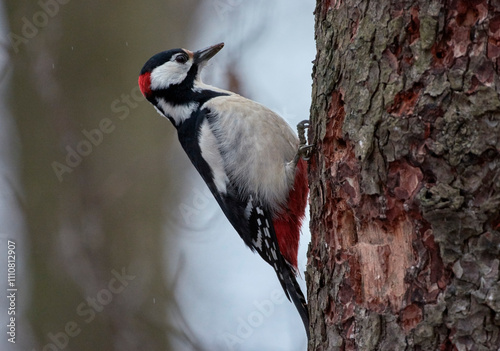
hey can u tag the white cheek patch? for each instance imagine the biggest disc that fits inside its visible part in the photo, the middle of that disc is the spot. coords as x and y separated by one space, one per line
169 73
211 154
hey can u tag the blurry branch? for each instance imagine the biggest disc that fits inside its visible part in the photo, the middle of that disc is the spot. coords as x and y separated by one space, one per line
6 66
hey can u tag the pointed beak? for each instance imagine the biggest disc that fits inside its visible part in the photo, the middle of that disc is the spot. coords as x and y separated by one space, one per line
206 54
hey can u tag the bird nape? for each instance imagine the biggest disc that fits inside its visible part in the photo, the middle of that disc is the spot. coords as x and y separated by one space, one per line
249 157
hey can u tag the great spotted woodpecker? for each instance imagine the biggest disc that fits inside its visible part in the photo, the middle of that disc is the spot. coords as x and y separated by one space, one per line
250 158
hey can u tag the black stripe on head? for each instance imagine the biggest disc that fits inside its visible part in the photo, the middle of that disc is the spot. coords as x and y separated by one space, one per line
159 59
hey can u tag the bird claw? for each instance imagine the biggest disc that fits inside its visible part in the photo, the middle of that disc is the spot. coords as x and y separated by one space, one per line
304 150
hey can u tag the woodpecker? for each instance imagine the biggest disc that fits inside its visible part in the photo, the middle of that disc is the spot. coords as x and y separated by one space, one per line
249 157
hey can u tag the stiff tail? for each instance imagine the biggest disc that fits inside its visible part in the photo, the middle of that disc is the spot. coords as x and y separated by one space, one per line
293 292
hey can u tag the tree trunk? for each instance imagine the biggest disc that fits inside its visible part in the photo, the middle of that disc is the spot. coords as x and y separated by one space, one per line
405 177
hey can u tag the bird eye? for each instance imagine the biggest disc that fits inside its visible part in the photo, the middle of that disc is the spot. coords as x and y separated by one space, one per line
181 58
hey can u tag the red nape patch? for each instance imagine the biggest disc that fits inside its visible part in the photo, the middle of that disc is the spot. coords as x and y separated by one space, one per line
145 83
287 223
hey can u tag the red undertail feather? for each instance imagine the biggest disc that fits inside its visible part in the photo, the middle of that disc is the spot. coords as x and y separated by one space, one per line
287 223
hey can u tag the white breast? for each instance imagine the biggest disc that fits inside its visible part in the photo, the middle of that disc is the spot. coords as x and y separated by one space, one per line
256 145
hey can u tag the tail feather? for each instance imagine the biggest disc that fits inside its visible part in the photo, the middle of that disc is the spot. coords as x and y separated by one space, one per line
293 291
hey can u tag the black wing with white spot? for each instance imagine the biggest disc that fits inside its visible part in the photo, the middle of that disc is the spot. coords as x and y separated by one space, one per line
264 239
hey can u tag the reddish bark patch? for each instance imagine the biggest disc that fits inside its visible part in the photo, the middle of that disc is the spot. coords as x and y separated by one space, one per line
442 54
468 11
462 19
335 4
438 273
494 27
447 345
493 49
331 315
384 253
474 84
405 101
330 149
459 41
341 155
413 28
404 179
346 221
328 5
403 183
410 317
355 279
336 115
433 277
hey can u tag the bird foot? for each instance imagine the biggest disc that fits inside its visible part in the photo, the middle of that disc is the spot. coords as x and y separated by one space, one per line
304 150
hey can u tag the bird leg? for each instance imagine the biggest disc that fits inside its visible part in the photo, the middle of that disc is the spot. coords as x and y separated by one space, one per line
304 150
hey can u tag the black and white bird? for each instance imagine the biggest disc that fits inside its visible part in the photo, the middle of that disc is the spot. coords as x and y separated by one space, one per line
248 156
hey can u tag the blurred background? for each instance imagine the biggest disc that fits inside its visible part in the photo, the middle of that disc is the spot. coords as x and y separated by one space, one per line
118 243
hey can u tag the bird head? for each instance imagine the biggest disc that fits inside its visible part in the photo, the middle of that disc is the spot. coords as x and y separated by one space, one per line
174 71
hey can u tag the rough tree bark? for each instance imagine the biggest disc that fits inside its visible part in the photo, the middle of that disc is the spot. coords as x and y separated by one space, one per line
405 177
